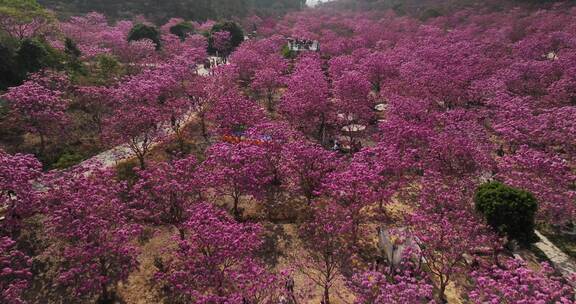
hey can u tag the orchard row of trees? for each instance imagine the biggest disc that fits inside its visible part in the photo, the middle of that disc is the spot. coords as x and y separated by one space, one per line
468 98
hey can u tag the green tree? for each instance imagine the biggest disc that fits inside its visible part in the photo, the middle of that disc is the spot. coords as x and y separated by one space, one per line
142 31
109 66
509 210
32 56
71 49
182 29
8 67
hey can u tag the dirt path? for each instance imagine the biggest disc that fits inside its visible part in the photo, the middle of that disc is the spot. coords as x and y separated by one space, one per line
561 261
112 157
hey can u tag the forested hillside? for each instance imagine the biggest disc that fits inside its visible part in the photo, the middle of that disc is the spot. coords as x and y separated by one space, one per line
162 10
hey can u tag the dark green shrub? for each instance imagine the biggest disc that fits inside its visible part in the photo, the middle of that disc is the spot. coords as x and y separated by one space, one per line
109 66
71 49
8 67
509 210
142 31
287 52
182 29
68 159
32 56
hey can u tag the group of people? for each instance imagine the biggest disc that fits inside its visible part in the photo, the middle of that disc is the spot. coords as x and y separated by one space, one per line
351 146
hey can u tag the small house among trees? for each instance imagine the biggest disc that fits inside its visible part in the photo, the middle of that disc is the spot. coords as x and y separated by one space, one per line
299 45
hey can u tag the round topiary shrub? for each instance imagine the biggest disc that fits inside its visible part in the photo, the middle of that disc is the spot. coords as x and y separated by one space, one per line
509 210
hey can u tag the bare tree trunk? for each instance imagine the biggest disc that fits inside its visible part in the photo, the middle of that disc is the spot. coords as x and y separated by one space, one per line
270 97
182 233
203 126
142 161
42 144
235 209
442 291
326 294
322 133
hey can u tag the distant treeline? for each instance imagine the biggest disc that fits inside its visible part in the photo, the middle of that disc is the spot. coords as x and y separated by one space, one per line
425 9
162 10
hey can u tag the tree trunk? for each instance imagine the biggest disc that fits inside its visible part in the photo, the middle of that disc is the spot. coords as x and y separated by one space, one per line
142 162
322 133
442 292
235 210
42 144
105 296
326 294
270 102
182 233
203 127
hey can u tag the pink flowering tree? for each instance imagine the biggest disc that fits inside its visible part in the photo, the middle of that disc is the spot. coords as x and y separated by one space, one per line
379 66
163 193
198 101
373 176
515 282
15 272
350 189
136 126
18 198
94 232
273 137
216 261
87 32
545 175
41 109
258 54
326 238
136 52
305 103
446 229
246 61
306 165
222 43
266 82
233 113
406 284
146 103
95 102
340 64
352 92
235 170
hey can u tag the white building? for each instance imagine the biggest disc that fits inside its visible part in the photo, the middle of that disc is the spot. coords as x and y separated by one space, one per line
300 45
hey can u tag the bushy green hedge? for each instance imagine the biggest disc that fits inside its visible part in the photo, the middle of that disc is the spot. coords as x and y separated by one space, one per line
509 210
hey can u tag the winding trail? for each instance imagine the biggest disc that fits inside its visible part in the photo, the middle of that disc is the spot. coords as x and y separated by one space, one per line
561 261
120 153
112 157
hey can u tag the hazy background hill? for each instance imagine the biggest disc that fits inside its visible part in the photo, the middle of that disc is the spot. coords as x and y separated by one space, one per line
162 10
